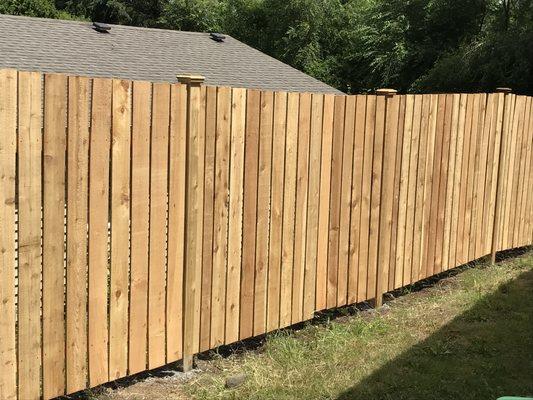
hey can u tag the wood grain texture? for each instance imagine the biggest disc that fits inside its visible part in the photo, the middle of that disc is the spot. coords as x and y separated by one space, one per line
300 225
100 140
355 207
29 234
120 226
276 209
251 161
54 149
238 124
209 197
289 209
346 201
140 225
8 146
315 151
158 225
176 221
263 212
77 194
220 217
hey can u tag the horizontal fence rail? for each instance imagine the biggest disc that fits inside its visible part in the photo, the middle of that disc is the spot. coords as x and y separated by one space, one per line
141 223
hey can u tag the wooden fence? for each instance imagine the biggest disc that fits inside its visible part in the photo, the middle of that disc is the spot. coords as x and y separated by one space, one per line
142 223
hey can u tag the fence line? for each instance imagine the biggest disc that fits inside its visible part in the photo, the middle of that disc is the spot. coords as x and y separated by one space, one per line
142 223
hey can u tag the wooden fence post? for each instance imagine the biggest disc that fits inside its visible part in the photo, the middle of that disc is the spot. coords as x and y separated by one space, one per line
193 221
386 198
496 226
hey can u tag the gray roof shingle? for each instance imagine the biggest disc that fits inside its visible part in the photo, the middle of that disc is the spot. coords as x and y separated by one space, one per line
127 52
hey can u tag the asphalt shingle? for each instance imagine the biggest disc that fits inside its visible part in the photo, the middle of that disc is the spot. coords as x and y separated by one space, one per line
127 52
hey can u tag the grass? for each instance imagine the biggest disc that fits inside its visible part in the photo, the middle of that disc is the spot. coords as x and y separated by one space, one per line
469 336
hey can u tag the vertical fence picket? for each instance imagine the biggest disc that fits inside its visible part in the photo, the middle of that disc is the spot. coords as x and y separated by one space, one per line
8 146
29 252
54 146
100 140
120 228
251 162
140 211
300 225
77 192
263 212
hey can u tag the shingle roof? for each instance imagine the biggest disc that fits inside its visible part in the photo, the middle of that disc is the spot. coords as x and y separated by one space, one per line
127 52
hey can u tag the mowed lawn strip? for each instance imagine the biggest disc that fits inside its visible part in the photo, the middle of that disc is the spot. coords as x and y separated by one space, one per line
469 336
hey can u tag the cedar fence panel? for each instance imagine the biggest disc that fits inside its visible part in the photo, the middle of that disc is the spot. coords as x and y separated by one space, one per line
167 219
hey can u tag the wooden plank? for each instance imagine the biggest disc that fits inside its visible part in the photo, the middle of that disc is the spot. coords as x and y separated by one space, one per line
98 230
462 248
315 151
480 179
528 226
522 143
335 200
525 210
324 203
499 166
251 161
490 177
120 221
450 187
459 126
375 205
515 167
54 146
276 209
176 220
289 209
238 124
416 268
209 196
140 213
442 202
404 191
158 221
387 192
510 159
194 201
346 201
396 194
29 231
471 179
300 226
366 187
428 185
414 132
437 164
355 207
220 222
77 192
8 148
263 212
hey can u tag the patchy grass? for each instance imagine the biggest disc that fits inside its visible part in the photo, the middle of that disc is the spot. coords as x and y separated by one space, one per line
470 336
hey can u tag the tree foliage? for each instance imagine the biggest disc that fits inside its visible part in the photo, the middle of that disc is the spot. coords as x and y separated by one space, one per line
355 45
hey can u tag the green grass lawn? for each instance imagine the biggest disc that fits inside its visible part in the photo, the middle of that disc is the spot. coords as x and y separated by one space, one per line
469 336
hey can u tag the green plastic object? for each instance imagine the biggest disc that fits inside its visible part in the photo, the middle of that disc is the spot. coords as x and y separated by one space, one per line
515 398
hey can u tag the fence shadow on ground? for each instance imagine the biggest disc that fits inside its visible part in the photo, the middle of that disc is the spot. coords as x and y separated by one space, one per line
482 354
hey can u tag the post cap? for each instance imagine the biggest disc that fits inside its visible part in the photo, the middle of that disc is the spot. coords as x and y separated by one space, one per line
503 90
190 79
386 92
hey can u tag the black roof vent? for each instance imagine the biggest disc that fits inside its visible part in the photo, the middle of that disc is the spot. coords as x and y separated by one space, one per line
217 37
101 27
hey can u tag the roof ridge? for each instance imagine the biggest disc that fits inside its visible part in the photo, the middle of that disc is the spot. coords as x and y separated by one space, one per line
89 23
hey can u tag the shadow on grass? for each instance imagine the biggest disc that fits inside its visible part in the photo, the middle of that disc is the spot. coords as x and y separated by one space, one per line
484 353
